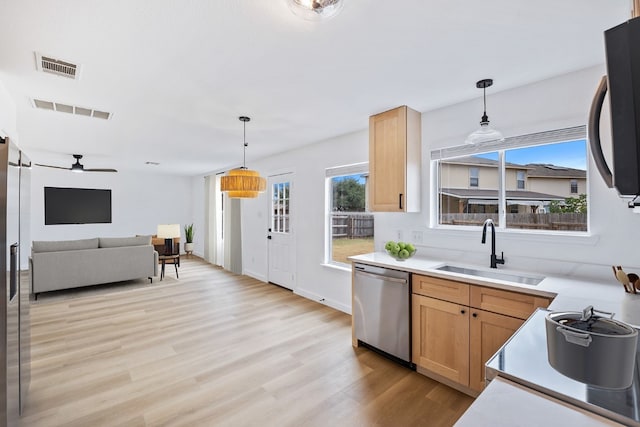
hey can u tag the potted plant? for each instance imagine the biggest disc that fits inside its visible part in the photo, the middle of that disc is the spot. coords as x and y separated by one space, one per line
188 234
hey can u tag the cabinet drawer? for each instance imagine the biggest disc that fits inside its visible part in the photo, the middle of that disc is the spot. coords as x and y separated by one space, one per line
447 290
512 304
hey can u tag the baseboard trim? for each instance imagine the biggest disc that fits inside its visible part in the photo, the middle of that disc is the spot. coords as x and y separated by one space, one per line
322 300
257 276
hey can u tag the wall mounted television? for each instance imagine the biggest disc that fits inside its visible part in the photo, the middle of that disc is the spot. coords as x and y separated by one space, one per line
76 206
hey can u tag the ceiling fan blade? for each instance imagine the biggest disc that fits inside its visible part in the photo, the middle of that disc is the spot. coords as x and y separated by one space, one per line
54 167
100 170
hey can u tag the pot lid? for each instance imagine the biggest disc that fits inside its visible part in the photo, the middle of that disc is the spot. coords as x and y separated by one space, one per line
596 325
587 321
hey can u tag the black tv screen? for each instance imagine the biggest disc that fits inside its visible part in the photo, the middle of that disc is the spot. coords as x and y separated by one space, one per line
76 206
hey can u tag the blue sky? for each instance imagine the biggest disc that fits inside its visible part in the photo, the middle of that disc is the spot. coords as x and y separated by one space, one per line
358 177
571 154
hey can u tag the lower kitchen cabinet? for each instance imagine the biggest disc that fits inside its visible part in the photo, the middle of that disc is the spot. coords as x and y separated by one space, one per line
487 333
440 337
452 341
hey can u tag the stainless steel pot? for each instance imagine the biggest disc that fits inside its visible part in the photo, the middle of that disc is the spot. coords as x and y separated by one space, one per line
592 349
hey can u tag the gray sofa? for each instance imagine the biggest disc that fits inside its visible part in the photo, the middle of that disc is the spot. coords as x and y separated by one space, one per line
69 264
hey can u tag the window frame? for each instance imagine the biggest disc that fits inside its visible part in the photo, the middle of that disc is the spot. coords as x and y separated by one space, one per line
573 183
558 136
472 177
523 180
330 173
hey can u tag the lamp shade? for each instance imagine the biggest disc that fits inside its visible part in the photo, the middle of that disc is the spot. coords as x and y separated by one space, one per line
484 134
168 231
315 10
243 183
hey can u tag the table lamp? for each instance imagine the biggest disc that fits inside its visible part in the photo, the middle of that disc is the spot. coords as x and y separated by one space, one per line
168 232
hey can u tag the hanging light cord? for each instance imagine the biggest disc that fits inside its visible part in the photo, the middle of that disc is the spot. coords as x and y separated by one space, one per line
485 118
244 138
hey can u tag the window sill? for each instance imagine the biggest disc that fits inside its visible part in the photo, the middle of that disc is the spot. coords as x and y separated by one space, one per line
336 266
578 238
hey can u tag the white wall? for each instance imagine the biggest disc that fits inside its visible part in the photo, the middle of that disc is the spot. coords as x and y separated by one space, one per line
313 279
198 209
555 103
7 115
551 104
139 203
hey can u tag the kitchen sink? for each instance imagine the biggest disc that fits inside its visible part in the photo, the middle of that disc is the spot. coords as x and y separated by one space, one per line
498 275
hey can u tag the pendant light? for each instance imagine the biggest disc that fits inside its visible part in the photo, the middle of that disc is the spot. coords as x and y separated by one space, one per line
485 133
242 182
315 10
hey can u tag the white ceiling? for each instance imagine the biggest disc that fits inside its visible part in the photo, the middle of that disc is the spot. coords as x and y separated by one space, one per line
177 74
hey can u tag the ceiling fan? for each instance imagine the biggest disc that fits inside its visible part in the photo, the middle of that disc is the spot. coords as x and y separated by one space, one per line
77 166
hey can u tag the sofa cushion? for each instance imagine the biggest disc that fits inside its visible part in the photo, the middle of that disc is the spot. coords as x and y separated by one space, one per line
64 245
117 242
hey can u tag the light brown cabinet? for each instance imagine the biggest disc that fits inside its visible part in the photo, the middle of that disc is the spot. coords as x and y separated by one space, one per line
487 333
394 160
457 327
440 337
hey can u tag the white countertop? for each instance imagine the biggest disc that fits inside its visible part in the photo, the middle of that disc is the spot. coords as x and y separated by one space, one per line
505 403
570 294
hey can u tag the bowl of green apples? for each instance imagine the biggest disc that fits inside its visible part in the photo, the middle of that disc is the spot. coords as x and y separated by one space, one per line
400 250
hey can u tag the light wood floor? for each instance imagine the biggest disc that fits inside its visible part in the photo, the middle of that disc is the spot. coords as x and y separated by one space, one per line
215 349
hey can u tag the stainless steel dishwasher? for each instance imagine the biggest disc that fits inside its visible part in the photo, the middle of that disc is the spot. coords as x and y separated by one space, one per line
382 310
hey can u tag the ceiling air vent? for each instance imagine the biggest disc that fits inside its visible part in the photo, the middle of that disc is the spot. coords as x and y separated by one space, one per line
58 67
71 109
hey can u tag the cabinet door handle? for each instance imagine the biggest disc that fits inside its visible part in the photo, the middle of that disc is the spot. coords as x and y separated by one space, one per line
400 200
475 314
462 312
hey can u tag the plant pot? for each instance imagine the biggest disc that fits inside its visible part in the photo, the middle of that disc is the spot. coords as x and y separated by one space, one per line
188 247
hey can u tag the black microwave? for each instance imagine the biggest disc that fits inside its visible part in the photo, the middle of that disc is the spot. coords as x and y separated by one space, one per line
622 44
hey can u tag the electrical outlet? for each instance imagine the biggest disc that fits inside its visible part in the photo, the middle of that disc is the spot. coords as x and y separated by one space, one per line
416 236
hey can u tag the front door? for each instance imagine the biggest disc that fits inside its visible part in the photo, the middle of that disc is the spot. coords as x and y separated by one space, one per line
282 245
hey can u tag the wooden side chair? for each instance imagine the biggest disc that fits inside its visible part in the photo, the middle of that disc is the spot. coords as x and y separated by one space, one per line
167 258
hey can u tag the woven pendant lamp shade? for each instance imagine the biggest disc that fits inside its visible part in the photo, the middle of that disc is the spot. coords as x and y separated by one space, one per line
243 183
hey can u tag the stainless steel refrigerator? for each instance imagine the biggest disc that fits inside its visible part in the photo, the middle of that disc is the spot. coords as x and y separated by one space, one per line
15 358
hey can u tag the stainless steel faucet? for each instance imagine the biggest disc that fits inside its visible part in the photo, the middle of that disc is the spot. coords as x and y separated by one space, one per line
494 259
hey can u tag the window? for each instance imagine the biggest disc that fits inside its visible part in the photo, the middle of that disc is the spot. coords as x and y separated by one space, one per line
280 208
520 180
473 177
349 225
524 182
574 186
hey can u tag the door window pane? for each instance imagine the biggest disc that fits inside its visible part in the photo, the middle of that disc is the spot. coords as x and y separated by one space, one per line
280 208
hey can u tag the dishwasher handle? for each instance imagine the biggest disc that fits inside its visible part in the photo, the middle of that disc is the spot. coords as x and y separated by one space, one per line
381 277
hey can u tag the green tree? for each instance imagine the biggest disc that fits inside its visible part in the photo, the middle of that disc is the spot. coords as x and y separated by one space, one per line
348 195
570 205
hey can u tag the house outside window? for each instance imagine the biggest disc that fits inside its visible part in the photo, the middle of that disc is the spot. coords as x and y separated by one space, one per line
520 180
349 224
574 186
525 185
474 177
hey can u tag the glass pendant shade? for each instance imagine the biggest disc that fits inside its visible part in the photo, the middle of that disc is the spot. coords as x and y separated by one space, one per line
315 10
485 133
243 183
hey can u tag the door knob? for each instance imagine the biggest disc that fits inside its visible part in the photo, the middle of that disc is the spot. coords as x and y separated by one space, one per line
269 237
